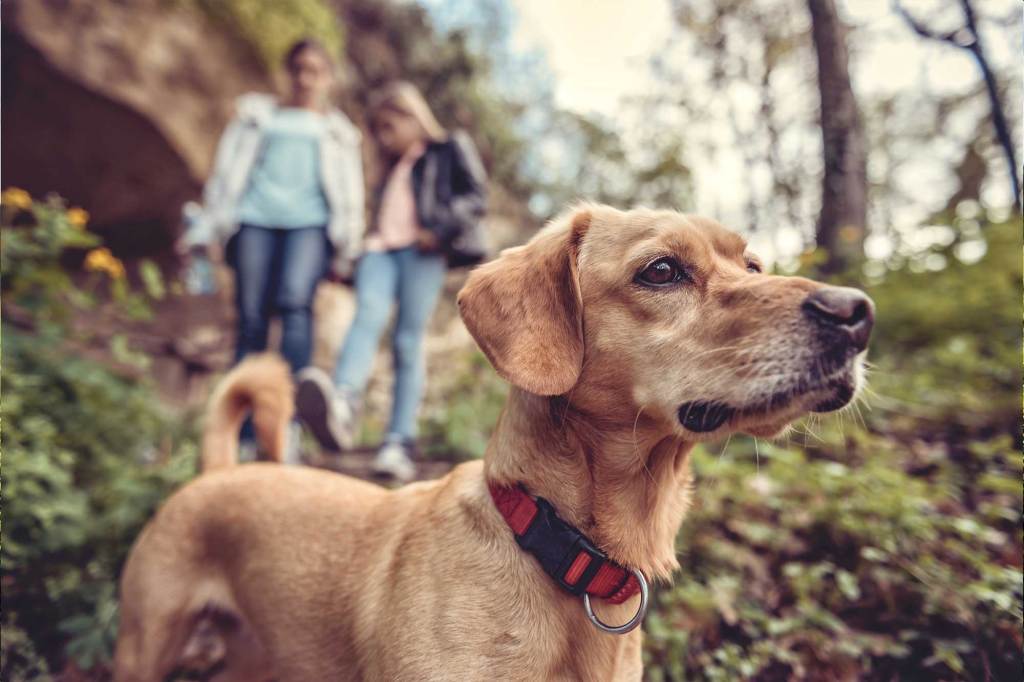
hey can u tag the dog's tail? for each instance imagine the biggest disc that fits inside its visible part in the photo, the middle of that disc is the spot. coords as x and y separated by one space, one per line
260 385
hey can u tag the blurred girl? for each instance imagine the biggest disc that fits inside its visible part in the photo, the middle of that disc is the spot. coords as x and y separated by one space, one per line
286 197
426 217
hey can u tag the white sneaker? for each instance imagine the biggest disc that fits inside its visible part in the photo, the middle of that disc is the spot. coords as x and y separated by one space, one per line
330 418
248 451
293 448
393 462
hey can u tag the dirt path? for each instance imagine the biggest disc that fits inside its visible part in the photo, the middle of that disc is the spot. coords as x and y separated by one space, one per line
357 463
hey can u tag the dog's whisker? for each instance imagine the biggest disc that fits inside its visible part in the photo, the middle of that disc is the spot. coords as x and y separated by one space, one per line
712 481
855 410
809 429
636 445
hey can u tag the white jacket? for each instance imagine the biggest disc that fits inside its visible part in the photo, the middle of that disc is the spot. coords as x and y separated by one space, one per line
341 173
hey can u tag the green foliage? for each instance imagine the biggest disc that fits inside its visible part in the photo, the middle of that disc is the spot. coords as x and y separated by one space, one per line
808 560
87 454
459 425
19 659
33 278
273 26
39 238
954 336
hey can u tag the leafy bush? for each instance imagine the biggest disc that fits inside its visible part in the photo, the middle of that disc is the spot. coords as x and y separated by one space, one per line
87 454
951 339
834 561
19 659
459 425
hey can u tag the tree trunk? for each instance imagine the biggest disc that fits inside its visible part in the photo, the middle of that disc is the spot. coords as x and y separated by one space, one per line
843 219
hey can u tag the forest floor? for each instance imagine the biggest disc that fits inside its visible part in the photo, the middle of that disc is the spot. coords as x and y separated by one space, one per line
356 462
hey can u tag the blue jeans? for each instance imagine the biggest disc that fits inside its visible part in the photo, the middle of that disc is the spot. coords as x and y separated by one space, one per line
414 280
276 272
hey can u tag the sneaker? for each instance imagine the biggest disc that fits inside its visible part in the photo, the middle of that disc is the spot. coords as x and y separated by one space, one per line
330 418
293 448
394 461
248 451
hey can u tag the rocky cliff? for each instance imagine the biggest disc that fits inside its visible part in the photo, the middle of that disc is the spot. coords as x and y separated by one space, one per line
117 107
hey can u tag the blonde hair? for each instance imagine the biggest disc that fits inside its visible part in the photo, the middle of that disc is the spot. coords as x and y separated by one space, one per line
404 98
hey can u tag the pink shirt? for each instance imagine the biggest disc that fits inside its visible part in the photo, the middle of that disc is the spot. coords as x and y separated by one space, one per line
397 224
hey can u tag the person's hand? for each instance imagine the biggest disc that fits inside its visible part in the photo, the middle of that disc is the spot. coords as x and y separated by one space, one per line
335 277
182 247
426 240
342 271
185 248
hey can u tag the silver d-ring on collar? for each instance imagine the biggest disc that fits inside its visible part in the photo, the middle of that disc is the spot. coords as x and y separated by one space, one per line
637 618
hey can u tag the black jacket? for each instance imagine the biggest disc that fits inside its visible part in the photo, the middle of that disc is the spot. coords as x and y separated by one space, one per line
450 187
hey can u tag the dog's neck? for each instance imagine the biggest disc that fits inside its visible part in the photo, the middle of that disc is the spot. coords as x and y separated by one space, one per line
626 486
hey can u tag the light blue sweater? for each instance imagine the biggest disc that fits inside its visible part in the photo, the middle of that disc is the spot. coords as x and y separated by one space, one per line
284 188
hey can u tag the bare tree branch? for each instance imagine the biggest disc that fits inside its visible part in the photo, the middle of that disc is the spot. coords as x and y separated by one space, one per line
919 28
968 38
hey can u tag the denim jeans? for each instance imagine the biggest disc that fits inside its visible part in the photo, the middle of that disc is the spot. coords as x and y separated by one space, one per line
414 281
276 272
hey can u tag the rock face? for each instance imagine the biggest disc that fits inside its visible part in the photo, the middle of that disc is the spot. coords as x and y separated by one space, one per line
117 106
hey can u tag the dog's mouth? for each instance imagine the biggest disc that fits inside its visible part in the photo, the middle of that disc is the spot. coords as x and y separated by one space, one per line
702 417
825 394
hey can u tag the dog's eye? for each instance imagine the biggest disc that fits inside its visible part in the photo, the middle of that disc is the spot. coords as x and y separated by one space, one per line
753 266
661 272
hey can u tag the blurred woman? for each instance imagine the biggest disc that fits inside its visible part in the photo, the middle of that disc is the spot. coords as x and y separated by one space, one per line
286 198
426 218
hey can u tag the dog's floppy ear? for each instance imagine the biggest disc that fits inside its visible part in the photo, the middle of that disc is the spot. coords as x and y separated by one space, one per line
524 309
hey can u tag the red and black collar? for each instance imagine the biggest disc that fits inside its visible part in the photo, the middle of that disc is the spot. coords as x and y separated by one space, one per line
566 554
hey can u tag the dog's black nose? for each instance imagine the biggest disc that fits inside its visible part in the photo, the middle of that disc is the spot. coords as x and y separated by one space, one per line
843 309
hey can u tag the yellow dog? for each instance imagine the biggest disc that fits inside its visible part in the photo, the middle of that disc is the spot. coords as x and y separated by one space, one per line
627 337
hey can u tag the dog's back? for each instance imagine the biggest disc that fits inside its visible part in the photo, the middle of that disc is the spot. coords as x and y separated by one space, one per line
261 385
208 590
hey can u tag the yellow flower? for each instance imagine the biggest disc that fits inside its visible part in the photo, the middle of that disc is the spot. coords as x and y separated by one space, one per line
101 260
16 197
78 217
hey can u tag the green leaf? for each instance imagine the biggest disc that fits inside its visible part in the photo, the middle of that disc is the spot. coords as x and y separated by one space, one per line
152 279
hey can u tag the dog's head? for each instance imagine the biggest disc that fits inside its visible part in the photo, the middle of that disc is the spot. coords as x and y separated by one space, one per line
669 316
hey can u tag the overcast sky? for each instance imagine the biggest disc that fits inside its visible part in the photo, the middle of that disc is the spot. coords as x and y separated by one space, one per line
599 51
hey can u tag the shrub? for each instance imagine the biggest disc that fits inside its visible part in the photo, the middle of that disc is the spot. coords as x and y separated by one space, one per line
459 424
87 453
